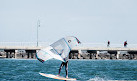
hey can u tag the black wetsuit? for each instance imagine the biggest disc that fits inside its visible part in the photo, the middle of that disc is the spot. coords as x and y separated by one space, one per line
66 67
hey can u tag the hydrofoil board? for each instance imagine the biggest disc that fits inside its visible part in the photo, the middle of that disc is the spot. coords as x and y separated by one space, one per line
56 77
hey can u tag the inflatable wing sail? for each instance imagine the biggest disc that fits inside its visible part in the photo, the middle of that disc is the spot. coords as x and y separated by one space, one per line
58 50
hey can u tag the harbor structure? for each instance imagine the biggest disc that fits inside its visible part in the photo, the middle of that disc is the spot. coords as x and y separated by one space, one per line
29 52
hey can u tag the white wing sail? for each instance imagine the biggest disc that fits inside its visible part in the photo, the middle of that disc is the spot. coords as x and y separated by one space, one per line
58 50
47 54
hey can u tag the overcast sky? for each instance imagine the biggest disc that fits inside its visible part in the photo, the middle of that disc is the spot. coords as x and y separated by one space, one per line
91 21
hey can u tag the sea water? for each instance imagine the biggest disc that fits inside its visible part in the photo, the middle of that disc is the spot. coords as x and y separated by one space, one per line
83 70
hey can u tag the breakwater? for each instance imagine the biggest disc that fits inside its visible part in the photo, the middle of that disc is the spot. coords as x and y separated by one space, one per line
76 53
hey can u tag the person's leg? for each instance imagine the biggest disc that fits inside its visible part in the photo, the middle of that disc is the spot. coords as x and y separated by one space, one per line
66 69
62 64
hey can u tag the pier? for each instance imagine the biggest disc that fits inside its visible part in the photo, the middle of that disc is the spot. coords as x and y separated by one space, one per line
29 52
103 53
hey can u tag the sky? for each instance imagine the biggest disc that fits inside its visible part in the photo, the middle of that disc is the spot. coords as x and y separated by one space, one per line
91 21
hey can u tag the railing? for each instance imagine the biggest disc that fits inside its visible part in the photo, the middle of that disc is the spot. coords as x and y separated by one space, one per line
105 45
44 44
23 44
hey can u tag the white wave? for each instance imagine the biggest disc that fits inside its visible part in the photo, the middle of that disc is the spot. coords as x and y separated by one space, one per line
97 79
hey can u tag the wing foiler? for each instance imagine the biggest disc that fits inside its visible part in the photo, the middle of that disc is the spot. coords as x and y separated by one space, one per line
58 50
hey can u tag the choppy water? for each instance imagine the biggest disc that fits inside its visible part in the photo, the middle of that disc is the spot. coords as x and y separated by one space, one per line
83 70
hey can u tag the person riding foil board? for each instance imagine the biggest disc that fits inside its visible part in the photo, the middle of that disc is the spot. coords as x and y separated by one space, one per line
59 50
66 67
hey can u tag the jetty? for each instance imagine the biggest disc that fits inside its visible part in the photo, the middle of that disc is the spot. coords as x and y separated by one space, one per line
81 52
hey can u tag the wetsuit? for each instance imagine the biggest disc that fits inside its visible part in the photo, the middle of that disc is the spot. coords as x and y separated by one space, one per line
66 66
